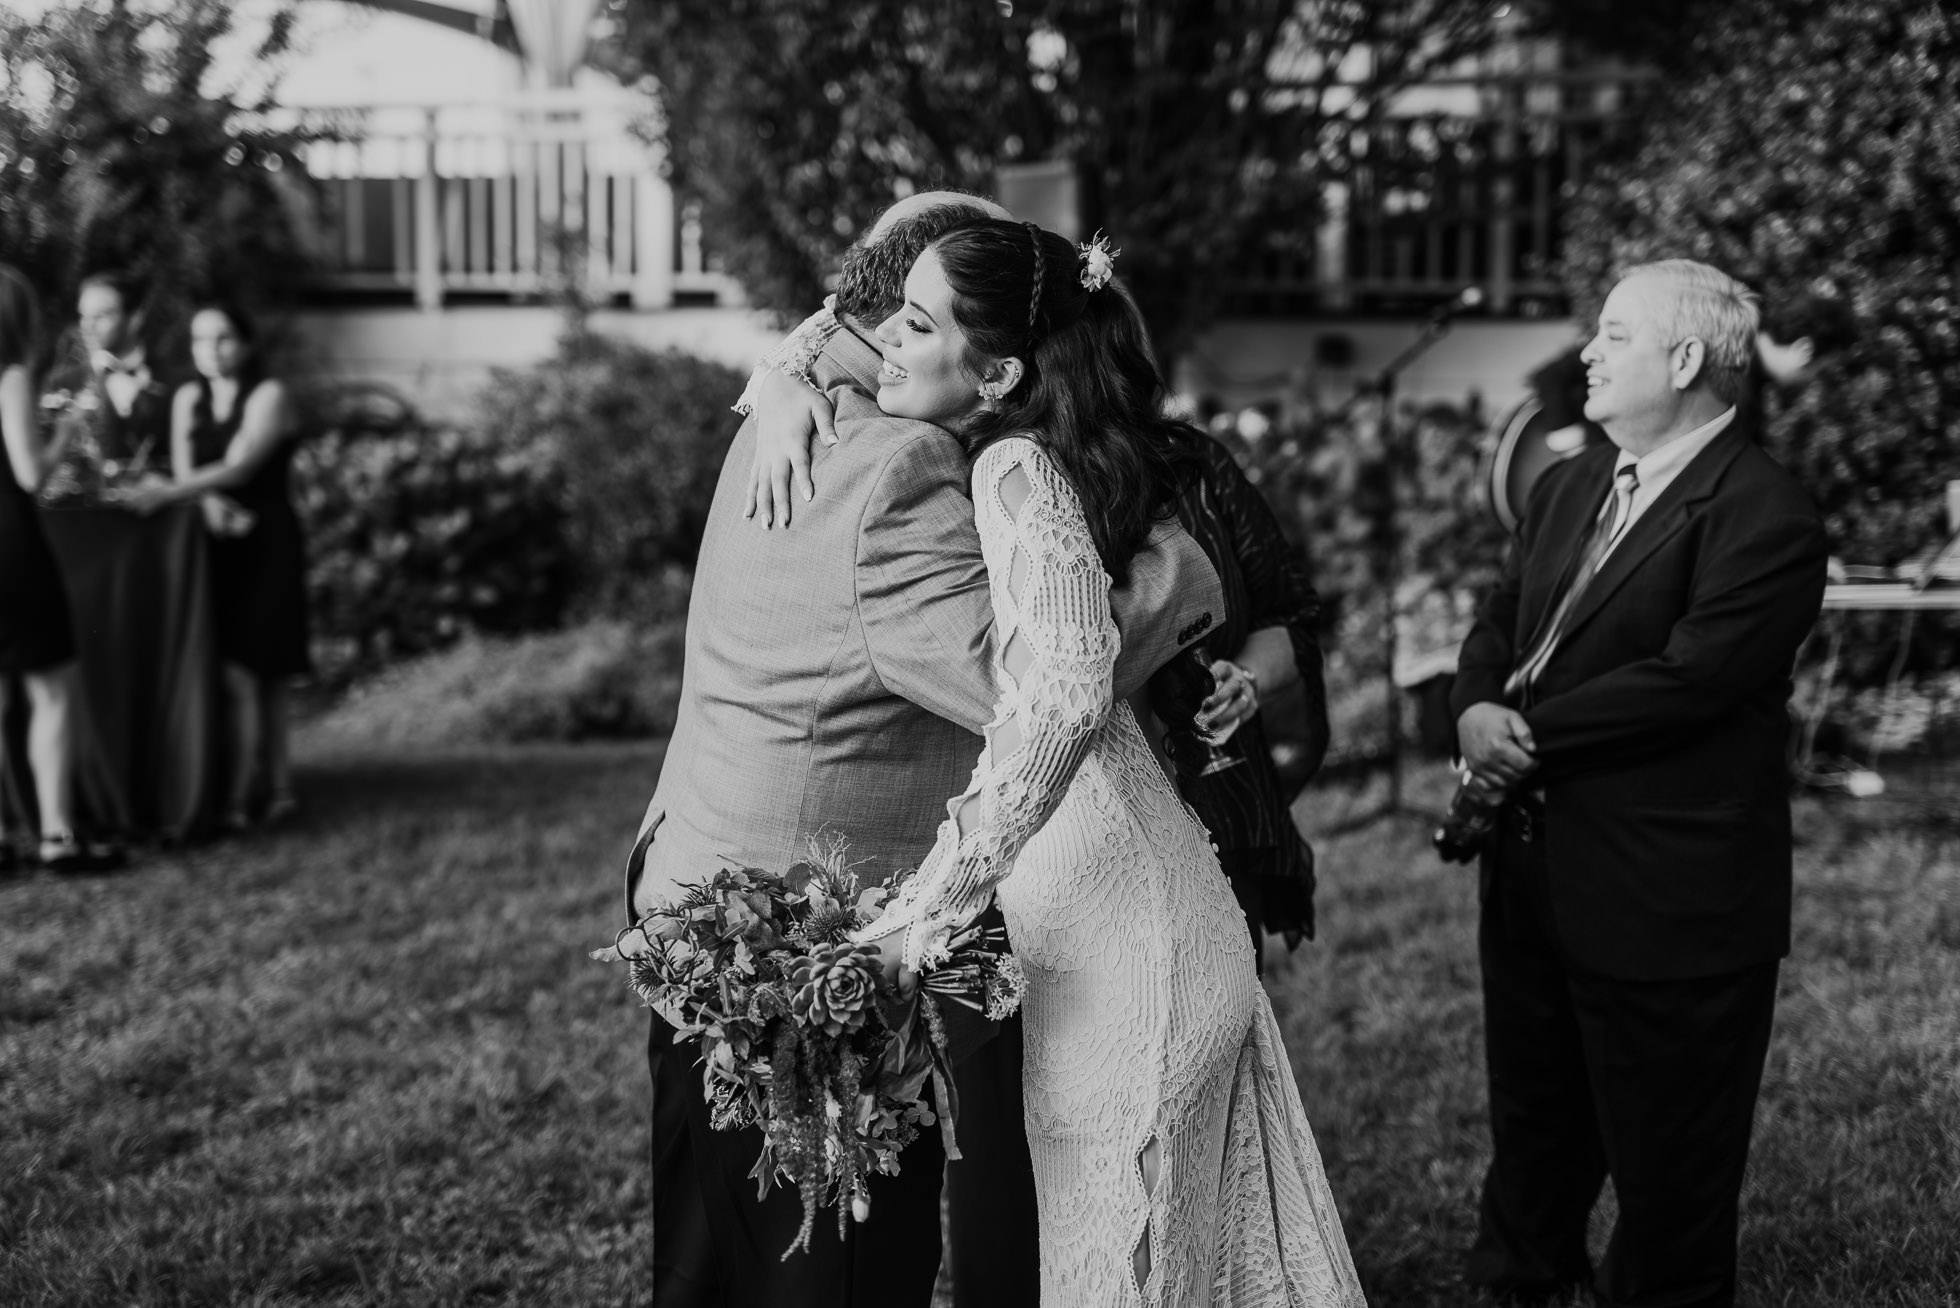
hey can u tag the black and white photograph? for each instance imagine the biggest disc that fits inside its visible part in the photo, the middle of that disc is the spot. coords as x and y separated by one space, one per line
980 653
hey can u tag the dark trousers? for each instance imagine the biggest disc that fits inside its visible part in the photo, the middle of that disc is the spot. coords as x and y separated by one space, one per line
716 1246
995 1250
1651 1082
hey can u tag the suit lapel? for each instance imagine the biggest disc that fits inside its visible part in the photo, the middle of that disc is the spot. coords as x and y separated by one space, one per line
1675 508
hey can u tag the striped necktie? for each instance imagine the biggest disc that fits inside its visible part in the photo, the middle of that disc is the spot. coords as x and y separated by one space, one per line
1606 528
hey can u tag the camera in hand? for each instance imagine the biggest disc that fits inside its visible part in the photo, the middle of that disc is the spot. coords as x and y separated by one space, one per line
1468 822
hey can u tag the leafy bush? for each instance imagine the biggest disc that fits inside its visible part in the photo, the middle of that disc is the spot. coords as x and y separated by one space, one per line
605 680
636 439
1821 146
419 534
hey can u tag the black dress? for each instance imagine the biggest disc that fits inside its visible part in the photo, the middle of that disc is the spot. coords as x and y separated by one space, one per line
258 579
35 632
1246 807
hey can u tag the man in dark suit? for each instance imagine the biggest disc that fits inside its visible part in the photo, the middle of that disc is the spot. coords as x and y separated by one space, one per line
1626 685
132 412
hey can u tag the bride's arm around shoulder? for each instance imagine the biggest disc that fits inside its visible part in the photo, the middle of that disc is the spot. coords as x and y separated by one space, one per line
1058 660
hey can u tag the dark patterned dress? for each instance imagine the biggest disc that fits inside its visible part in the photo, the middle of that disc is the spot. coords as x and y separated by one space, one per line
1247 807
258 579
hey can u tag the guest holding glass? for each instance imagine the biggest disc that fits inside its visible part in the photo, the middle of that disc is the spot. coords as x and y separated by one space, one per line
232 436
37 642
1265 645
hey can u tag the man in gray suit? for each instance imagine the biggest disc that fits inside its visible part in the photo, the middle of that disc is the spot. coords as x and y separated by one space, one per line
837 676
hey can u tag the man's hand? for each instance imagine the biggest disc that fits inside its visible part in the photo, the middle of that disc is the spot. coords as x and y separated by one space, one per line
1497 745
787 414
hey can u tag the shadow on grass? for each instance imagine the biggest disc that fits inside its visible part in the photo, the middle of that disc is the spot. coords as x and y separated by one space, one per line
343 786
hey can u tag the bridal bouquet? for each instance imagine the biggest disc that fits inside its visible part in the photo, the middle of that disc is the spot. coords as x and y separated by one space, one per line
83 476
800 1033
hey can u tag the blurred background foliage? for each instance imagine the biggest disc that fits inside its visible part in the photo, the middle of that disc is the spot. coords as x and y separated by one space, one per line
1798 143
419 533
635 440
117 151
574 495
1197 129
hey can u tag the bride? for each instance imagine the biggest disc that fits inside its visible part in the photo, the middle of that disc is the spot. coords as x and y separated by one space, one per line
1173 1160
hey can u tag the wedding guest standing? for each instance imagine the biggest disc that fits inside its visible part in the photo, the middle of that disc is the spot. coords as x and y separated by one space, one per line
1627 685
36 641
233 432
1265 645
132 419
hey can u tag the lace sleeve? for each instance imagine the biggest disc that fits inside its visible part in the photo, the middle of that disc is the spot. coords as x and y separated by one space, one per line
1052 619
796 354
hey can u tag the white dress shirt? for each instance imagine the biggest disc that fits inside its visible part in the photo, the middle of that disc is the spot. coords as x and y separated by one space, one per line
1658 469
123 379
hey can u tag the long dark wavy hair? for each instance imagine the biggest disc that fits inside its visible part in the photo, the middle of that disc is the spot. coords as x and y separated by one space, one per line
251 374
1090 390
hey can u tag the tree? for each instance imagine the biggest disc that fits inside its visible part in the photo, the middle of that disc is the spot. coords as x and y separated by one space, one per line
1201 128
116 151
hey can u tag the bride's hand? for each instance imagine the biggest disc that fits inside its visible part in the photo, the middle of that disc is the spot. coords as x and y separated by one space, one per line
629 944
891 956
787 414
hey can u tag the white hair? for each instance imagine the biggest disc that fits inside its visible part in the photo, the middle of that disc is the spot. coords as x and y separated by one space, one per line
1706 304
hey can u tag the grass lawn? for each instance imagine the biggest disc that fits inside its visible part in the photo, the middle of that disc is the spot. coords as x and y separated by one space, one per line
364 1060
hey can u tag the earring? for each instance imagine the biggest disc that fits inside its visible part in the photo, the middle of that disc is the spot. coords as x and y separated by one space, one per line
992 390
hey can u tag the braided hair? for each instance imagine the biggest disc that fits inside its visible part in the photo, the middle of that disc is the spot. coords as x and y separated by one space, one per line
1040 269
1090 391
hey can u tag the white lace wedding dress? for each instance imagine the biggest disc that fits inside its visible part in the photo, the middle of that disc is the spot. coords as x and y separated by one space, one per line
1152 1053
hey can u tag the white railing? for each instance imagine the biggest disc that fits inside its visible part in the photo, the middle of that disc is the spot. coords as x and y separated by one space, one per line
1463 183
515 198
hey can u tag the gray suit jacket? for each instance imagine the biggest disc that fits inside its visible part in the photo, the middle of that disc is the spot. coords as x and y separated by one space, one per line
837 673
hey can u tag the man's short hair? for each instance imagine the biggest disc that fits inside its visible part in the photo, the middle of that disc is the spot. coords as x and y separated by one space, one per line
1714 308
1824 320
871 285
115 279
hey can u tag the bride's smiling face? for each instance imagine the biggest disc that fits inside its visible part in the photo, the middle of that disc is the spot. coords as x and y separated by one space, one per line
925 374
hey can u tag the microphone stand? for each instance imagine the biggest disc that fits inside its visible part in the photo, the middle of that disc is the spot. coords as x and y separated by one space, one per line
1396 457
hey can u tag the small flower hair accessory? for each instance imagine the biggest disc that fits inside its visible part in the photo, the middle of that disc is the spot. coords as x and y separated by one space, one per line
1098 262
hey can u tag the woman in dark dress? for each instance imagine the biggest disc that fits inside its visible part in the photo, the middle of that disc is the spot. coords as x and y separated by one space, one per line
37 644
231 441
1265 645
